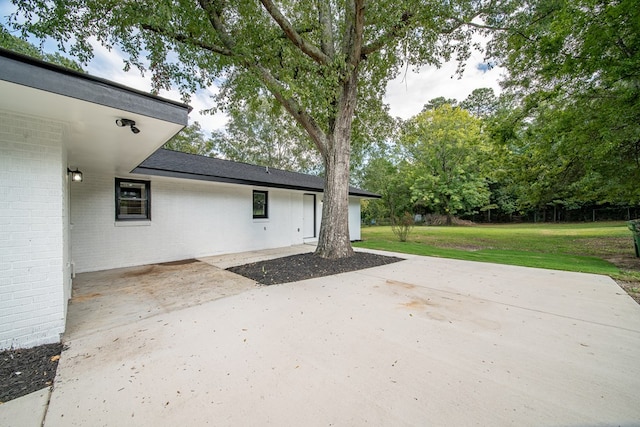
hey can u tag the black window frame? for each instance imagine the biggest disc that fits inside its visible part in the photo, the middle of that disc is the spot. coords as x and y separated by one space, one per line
264 193
118 198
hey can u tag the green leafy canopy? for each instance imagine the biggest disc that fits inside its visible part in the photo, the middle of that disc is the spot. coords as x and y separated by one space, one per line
241 46
574 72
446 150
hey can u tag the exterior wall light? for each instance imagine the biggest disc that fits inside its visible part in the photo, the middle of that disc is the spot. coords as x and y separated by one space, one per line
76 175
127 122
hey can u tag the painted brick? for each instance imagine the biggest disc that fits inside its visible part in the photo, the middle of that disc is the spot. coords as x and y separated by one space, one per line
189 219
32 189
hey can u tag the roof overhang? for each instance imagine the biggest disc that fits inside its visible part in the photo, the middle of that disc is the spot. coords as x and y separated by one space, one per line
175 164
89 107
353 192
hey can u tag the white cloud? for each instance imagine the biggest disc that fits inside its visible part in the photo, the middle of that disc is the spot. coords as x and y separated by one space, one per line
202 100
108 64
407 93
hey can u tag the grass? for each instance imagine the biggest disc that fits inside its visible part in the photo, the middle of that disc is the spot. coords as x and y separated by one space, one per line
600 248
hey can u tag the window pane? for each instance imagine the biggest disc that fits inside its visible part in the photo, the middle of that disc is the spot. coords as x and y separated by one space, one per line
260 204
133 207
132 190
132 199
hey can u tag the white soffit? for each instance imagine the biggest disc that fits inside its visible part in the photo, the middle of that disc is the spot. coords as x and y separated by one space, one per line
93 140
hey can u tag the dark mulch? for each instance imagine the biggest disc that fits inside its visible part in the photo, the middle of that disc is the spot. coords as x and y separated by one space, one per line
307 266
24 371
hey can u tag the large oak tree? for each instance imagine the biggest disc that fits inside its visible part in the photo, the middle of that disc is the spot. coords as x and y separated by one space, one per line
322 60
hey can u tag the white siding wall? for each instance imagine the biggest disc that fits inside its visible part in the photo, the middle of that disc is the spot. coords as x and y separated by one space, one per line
188 219
32 228
354 218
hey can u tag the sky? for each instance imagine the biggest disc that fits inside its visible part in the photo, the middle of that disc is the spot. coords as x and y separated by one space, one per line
405 95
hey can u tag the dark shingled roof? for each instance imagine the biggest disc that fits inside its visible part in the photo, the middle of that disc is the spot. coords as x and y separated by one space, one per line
191 166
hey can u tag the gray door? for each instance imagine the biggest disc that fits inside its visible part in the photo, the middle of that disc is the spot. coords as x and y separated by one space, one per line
308 216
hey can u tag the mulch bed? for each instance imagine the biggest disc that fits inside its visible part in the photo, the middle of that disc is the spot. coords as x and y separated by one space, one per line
24 371
306 266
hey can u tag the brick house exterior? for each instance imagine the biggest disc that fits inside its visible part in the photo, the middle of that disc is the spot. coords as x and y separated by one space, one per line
135 205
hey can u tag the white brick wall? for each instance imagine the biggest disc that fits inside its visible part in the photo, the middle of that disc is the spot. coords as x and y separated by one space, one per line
188 219
32 217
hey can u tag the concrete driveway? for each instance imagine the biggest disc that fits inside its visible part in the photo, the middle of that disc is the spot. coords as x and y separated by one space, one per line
425 341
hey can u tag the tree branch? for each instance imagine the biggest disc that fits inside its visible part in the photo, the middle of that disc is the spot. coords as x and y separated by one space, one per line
188 39
326 25
213 11
389 35
358 32
462 22
292 106
354 27
309 49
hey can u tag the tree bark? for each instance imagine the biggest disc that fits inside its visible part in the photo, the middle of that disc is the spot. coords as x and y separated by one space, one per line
334 241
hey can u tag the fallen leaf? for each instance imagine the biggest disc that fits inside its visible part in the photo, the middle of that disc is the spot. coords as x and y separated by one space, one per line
55 358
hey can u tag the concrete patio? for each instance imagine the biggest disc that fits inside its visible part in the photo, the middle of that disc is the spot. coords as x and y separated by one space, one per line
425 341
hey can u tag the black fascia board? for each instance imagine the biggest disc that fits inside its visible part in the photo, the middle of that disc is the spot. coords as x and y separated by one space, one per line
37 74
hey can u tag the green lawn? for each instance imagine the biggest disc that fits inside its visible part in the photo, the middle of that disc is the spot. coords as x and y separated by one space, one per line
583 247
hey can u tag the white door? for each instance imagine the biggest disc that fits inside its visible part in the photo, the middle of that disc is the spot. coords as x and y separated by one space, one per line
308 216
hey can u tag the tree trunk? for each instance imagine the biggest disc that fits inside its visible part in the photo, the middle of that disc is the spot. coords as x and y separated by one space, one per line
335 144
334 239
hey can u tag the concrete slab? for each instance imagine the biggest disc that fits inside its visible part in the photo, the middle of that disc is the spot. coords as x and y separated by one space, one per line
25 411
105 299
233 260
424 341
